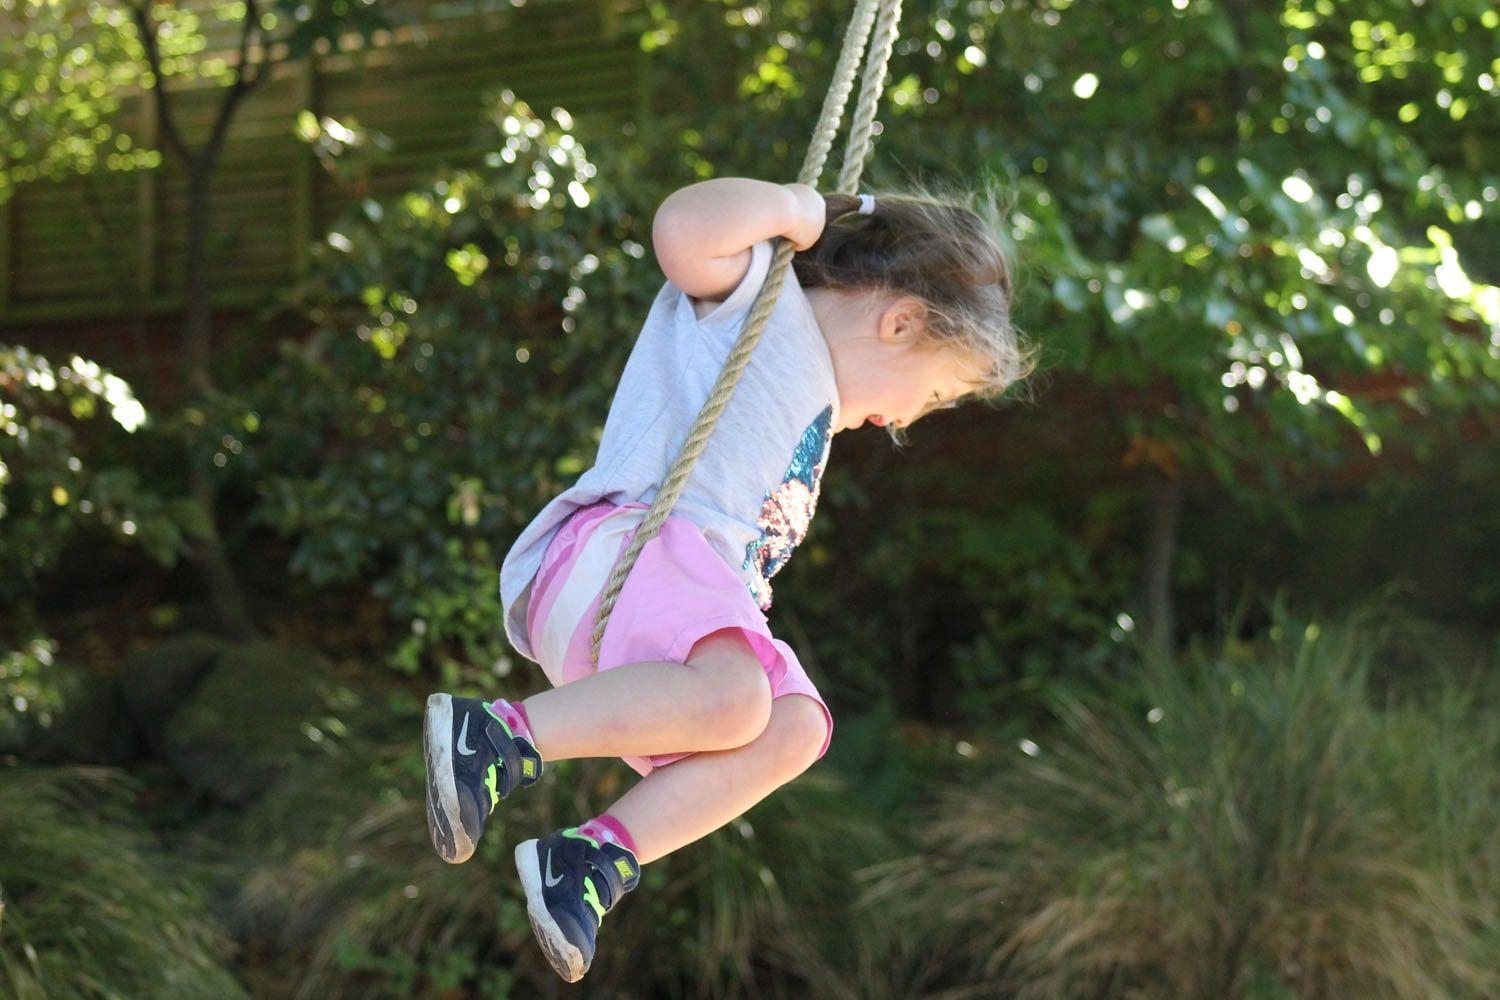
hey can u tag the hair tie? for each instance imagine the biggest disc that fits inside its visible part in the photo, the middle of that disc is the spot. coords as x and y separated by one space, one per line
867 204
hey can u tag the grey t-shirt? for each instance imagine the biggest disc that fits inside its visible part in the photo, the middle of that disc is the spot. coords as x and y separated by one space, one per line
755 486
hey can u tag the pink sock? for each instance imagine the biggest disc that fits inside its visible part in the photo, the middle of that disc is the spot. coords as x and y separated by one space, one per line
514 716
606 827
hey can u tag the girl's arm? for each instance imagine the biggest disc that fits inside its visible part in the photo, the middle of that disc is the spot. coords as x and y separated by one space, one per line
702 233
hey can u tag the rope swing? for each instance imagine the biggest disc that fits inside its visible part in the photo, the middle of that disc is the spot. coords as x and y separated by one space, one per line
855 153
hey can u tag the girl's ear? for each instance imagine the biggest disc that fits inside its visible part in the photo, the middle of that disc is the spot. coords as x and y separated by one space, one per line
903 319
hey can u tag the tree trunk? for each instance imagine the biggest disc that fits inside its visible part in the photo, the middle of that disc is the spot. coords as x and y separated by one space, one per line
1164 507
206 553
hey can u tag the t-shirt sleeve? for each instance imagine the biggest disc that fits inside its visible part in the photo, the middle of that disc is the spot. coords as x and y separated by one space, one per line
732 311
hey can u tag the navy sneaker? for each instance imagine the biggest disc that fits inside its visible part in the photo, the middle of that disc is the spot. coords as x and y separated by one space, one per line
473 761
571 882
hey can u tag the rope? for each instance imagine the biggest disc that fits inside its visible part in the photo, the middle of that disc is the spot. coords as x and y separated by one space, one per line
856 152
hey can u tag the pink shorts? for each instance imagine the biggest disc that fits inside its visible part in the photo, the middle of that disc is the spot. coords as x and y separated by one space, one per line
678 591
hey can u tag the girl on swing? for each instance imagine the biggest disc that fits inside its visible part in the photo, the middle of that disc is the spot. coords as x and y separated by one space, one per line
894 307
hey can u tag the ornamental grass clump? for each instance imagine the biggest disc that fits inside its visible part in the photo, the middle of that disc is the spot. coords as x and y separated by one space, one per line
89 907
1256 821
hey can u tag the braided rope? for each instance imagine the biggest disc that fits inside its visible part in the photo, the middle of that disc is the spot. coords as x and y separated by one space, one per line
861 126
857 150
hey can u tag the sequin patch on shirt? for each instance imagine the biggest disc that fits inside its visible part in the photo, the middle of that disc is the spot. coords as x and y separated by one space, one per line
788 510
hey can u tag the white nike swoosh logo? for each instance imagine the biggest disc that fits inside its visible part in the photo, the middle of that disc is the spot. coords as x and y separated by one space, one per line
551 879
463 740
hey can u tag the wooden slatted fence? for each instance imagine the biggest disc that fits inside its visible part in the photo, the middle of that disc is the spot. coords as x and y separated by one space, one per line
111 245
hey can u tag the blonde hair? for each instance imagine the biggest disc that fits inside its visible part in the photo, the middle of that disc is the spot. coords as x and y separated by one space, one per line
945 247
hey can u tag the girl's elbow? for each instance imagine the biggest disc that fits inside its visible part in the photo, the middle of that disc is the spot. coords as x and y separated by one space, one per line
669 238
675 217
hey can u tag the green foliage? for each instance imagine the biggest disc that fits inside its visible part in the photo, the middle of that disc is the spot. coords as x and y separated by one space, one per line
996 589
60 87
345 148
52 491
52 711
28 688
88 907
1042 604
46 489
77 62
1246 824
456 379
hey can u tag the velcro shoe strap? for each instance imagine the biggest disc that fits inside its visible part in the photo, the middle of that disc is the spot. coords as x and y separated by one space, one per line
618 866
529 762
521 765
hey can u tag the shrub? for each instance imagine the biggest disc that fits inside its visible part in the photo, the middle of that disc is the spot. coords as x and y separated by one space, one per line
49 489
89 908
53 490
1246 824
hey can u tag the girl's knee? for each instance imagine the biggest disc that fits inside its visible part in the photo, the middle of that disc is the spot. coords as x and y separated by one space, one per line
800 728
737 702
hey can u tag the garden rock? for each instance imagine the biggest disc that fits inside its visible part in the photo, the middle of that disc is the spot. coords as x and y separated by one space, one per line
91 728
156 681
253 715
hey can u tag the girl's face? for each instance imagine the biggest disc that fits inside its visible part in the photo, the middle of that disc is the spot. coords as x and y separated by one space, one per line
885 374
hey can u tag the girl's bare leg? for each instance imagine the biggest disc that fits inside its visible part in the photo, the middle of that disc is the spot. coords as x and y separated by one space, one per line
690 798
720 698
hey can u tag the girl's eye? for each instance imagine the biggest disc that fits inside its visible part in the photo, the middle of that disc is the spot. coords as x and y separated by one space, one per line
938 404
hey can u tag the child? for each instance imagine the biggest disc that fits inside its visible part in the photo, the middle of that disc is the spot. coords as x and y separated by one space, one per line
894 307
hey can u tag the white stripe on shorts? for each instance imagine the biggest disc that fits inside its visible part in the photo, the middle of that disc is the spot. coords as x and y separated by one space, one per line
587 578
